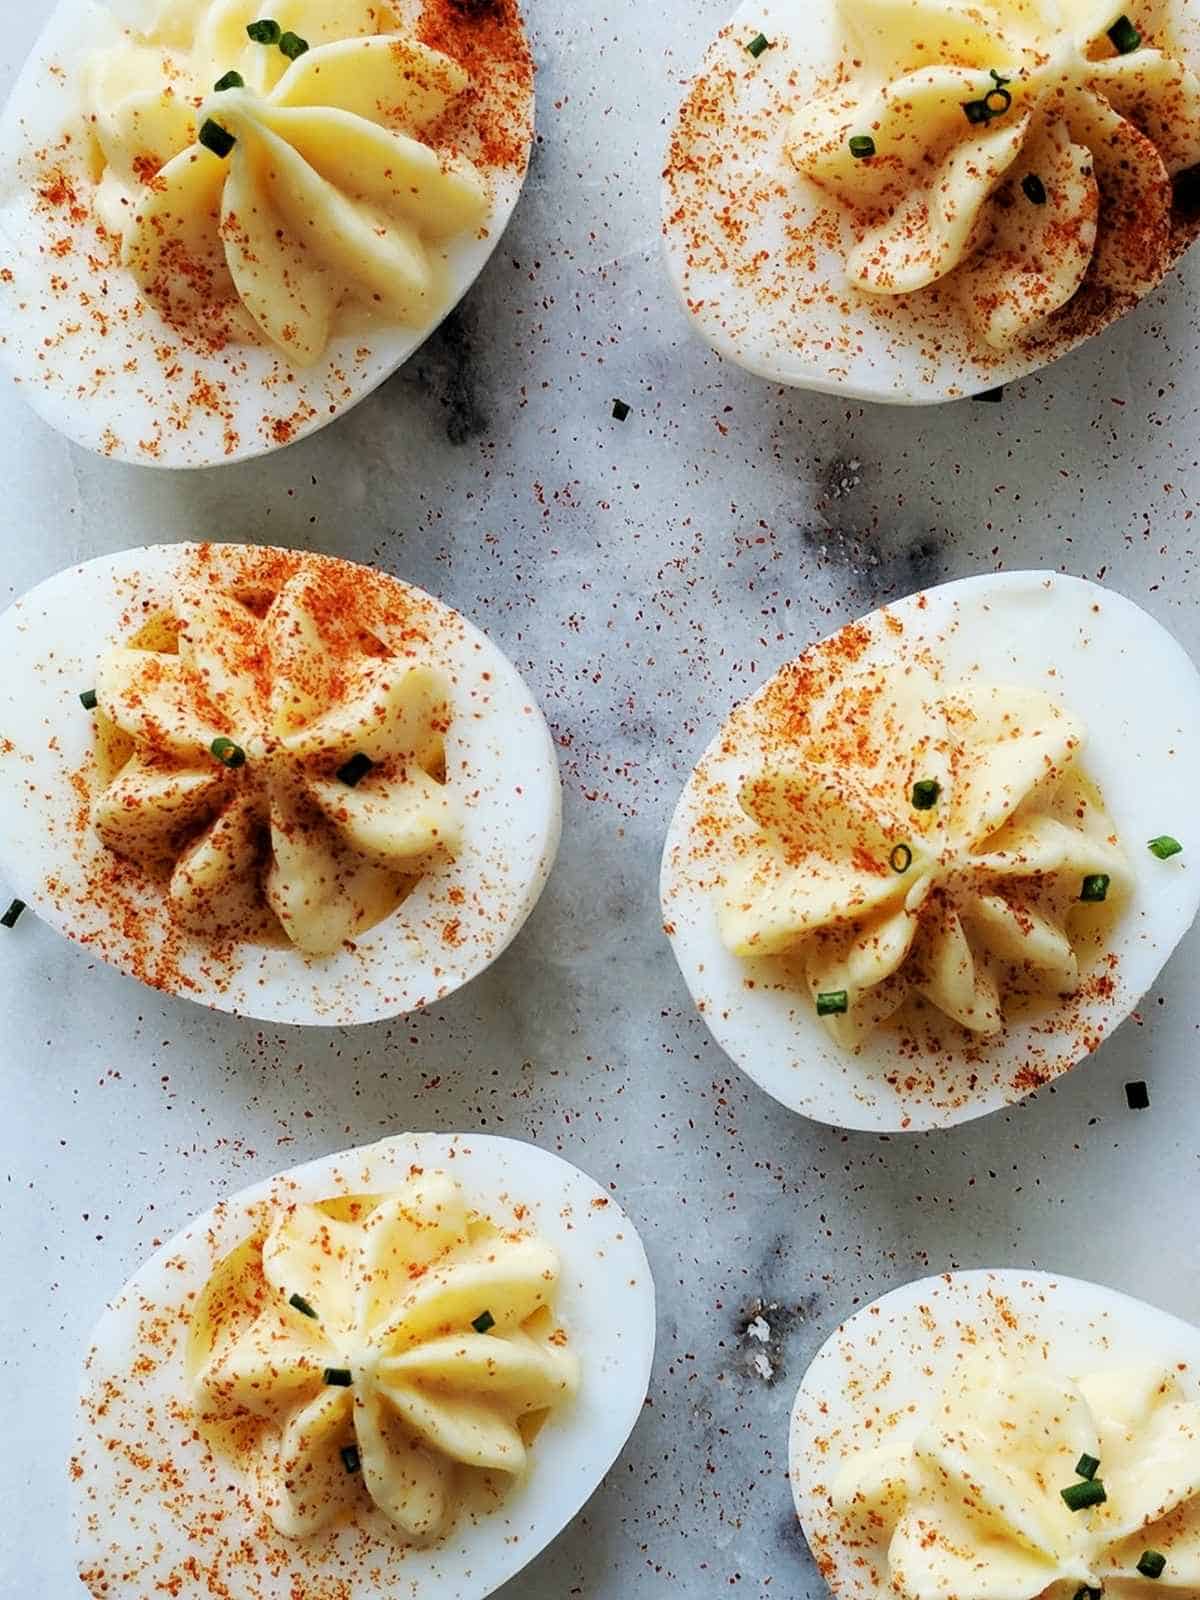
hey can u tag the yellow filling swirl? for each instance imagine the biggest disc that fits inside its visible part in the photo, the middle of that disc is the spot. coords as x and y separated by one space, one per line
372 1350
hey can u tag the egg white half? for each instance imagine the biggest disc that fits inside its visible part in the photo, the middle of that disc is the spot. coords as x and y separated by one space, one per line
111 374
877 1377
135 1531
733 207
1138 696
498 752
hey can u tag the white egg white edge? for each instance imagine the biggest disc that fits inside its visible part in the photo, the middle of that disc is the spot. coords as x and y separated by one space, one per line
915 1334
1138 695
605 1300
807 47
41 107
51 641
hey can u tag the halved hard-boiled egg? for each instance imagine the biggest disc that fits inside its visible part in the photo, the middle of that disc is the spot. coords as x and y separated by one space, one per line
282 784
934 862
398 1370
222 223
1002 1433
916 200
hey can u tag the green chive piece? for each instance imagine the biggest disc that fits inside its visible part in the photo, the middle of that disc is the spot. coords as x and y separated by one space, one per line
265 31
355 770
862 147
484 1322
339 1377
834 1004
1125 37
1089 1492
758 44
993 104
302 1306
228 753
901 858
216 138
1087 1467
1095 888
292 45
620 410
231 80
1137 1096
350 1458
1164 847
1152 1564
1035 189
11 916
88 699
926 794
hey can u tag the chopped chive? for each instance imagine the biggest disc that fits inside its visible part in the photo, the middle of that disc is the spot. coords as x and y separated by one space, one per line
1089 1492
901 858
339 1377
1164 847
862 147
302 1306
12 915
990 397
216 138
265 31
1137 1096
1035 189
228 753
1095 888
993 104
292 45
88 699
1125 37
350 1458
355 770
620 410
926 794
1152 1564
834 1004
758 44
231 80
484 1322
1087 1467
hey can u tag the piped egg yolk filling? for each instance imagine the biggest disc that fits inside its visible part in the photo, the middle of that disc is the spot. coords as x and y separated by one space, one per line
372 1350
1009 150
908 840
1022 1484
273 763
283 170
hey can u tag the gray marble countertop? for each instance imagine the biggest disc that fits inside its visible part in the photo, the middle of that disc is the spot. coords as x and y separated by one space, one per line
643 576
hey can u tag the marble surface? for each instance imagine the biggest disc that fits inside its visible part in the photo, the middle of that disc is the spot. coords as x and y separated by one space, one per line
643 576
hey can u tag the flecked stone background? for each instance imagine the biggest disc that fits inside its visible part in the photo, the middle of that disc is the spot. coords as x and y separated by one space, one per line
643 577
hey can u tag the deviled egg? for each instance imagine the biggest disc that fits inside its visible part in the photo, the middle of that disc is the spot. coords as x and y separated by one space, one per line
936 860
223 222
278 783
398 1370
1002 1433
917 200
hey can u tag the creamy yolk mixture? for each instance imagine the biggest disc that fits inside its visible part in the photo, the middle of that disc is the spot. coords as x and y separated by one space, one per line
371 1350
1006 151
286 166
1022 1484
274 763
912 839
